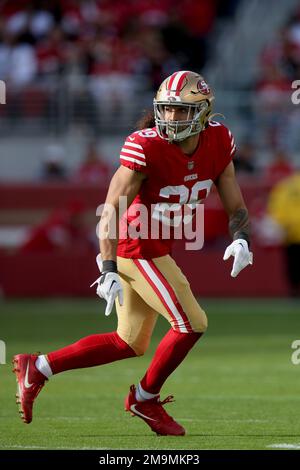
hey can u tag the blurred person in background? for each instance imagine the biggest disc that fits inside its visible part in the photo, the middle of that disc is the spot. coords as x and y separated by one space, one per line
244 162
64 229
283 208
32 19
273 92
173 158
53 167
93 169
280 167
51 53
18 64
291 46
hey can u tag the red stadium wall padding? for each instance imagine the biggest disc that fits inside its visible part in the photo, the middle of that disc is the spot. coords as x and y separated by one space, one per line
71 273
49 195
68 274
46 274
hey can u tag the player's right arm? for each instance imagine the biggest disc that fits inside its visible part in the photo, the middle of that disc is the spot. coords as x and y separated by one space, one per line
125 182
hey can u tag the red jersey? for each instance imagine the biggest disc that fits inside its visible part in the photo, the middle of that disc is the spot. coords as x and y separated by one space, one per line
172 177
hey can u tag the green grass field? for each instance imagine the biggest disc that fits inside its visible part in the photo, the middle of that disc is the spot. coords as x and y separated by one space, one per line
237 389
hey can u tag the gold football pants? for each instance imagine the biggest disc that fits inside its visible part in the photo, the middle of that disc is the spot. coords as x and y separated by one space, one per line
153 287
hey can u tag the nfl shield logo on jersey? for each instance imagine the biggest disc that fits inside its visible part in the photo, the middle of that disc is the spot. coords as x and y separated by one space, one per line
190 165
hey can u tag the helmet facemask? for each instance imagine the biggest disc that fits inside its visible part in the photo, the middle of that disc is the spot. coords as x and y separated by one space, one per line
170 130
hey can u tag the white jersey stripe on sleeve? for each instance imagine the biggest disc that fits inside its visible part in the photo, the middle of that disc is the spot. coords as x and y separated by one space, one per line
131 144
129 159
133 152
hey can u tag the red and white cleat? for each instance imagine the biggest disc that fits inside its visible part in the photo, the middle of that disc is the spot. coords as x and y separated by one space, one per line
153 413
30 381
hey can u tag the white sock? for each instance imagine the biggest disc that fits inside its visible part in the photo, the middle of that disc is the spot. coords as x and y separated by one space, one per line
142 395
43 366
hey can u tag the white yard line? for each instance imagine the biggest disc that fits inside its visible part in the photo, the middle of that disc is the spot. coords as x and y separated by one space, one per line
285 446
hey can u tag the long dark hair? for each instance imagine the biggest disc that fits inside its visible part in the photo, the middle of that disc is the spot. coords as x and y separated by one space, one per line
146 120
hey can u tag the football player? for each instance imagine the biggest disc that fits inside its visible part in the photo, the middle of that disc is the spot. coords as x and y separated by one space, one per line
175 159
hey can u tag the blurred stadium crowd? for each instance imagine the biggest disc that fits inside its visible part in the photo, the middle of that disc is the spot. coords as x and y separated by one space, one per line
94 65
279 66
86 60
99 38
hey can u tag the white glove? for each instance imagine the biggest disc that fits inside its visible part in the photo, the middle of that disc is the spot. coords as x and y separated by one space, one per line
242 256
108 287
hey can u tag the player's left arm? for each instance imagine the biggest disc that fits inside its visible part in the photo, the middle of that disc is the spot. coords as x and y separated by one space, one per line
239 224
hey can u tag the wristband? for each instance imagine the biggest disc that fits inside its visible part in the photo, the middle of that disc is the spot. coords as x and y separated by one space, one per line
243 236
109 266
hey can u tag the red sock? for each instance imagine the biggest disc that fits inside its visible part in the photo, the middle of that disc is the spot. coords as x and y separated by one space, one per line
170 353
90 351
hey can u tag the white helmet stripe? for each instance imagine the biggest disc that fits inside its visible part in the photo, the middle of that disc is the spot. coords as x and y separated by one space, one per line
174 80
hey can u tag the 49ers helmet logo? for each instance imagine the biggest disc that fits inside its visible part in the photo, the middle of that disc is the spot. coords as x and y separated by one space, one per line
203 87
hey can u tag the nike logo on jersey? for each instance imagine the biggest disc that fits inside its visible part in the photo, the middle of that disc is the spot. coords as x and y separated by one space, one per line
26 383
131 138
132 408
